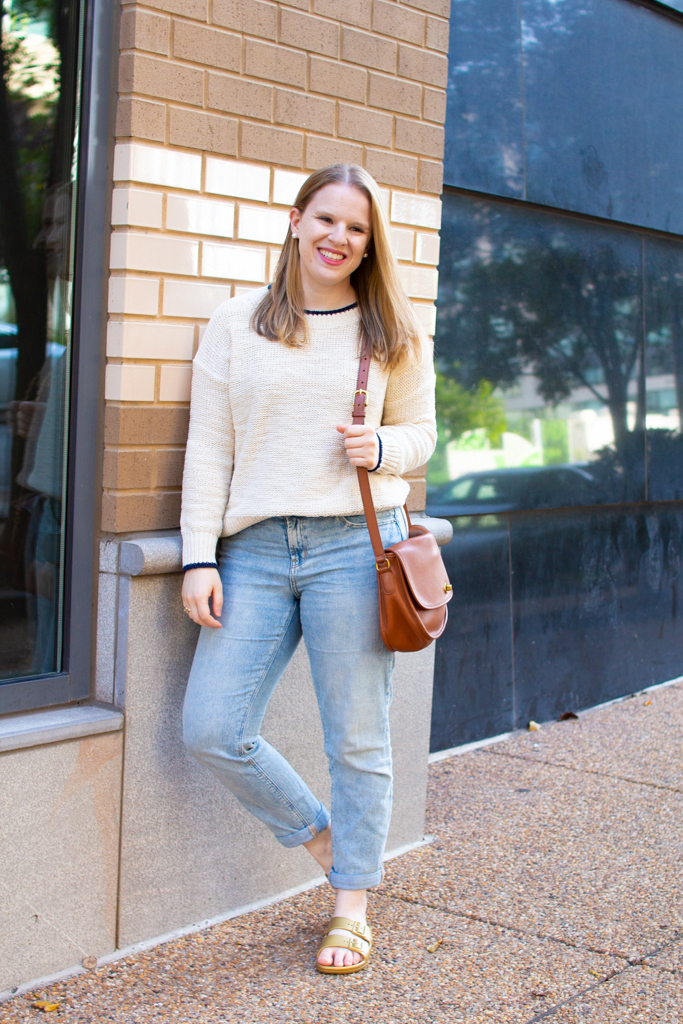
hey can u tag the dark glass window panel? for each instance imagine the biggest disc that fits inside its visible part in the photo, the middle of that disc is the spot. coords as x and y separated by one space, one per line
484 130
603 88
664 332
541 393
473 678
596 605
38 126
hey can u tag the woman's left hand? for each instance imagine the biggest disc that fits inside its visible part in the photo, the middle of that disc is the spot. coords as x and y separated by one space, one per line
362 445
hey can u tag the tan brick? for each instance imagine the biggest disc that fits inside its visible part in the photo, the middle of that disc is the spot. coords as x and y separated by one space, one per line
417 498
440 7
237 96
301 4
250 16
419 473
397 22
434 105
128 470
437 34
394 94
275 63
154 510
414 137
334 79
314 34
430 177
391 168
304 111
196 130
272 144
422 65
353 12
144 31
161 78
207 46
141 119
364 125
321 152
168 465
370 51
140 425
197 9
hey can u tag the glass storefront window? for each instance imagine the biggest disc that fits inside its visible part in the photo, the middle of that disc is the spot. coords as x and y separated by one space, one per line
559 345
38 140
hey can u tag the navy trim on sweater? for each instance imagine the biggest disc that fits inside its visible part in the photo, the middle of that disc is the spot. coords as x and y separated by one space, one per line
200 565
379 461
329 312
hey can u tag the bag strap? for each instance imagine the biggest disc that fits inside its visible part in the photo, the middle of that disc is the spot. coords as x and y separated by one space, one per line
359 403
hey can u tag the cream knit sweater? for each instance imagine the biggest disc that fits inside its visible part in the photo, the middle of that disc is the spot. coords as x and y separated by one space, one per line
262 438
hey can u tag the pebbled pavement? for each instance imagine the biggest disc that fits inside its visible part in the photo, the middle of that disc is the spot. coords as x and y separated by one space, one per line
553 891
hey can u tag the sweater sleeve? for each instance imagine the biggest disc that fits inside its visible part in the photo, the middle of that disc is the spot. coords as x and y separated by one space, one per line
210 446
408 430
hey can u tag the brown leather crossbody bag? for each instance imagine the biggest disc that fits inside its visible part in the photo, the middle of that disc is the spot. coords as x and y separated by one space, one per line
412 582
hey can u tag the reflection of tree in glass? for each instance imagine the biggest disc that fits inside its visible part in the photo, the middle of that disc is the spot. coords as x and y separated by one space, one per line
35 142
569 315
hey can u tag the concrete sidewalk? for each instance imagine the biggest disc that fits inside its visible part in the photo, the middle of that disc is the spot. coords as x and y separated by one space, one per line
553 891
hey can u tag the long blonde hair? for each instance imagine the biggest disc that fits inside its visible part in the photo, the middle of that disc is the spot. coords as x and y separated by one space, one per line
388 324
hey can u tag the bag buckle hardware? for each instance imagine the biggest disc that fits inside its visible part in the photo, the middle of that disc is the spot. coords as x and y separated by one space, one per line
380 568
360 391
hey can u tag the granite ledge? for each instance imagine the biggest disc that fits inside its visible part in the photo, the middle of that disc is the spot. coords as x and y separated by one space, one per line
154 554
52 725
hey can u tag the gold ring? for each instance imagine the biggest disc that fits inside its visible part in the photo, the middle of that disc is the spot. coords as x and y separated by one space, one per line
188 610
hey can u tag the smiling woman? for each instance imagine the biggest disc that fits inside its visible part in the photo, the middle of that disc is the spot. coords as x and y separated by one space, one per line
269 478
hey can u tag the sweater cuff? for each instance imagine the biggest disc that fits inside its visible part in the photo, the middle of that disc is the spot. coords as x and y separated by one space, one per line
379 460
199 549
391 454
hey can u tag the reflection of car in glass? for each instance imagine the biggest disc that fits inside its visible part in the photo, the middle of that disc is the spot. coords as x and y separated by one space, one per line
490 492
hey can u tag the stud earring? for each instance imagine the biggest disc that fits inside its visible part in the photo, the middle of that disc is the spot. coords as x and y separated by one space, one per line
365 255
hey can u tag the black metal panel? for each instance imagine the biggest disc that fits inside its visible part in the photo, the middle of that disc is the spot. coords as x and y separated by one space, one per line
473 678
585 123
484 123
596 605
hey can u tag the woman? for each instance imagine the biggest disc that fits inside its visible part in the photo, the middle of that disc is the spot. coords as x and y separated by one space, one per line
270 476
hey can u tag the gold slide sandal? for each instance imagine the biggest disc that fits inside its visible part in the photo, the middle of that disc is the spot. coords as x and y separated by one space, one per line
358 941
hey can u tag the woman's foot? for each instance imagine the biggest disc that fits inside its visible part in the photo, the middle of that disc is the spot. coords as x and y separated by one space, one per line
351 903
320 849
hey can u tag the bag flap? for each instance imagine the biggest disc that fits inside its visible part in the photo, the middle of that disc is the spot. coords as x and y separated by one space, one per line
423 568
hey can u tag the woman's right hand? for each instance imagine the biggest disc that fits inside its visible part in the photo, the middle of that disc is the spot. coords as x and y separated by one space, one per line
198 586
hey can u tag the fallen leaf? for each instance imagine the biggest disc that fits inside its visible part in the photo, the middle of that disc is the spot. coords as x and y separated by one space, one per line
538 993
42 1004
534 726
596 974
567 716
434 946
90 963
647 703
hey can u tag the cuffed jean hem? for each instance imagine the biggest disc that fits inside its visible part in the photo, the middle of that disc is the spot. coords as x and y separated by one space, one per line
304 835
338 881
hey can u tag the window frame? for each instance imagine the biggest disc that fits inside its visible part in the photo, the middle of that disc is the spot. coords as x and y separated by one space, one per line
95 150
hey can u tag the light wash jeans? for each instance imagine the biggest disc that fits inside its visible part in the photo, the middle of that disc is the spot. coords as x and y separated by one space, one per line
283 578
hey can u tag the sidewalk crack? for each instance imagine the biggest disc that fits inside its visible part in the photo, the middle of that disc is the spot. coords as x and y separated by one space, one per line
584 771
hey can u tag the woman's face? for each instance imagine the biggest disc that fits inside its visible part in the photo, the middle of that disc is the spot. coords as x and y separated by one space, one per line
334 232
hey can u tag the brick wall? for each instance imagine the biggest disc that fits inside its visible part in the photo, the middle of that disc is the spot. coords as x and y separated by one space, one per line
224 108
